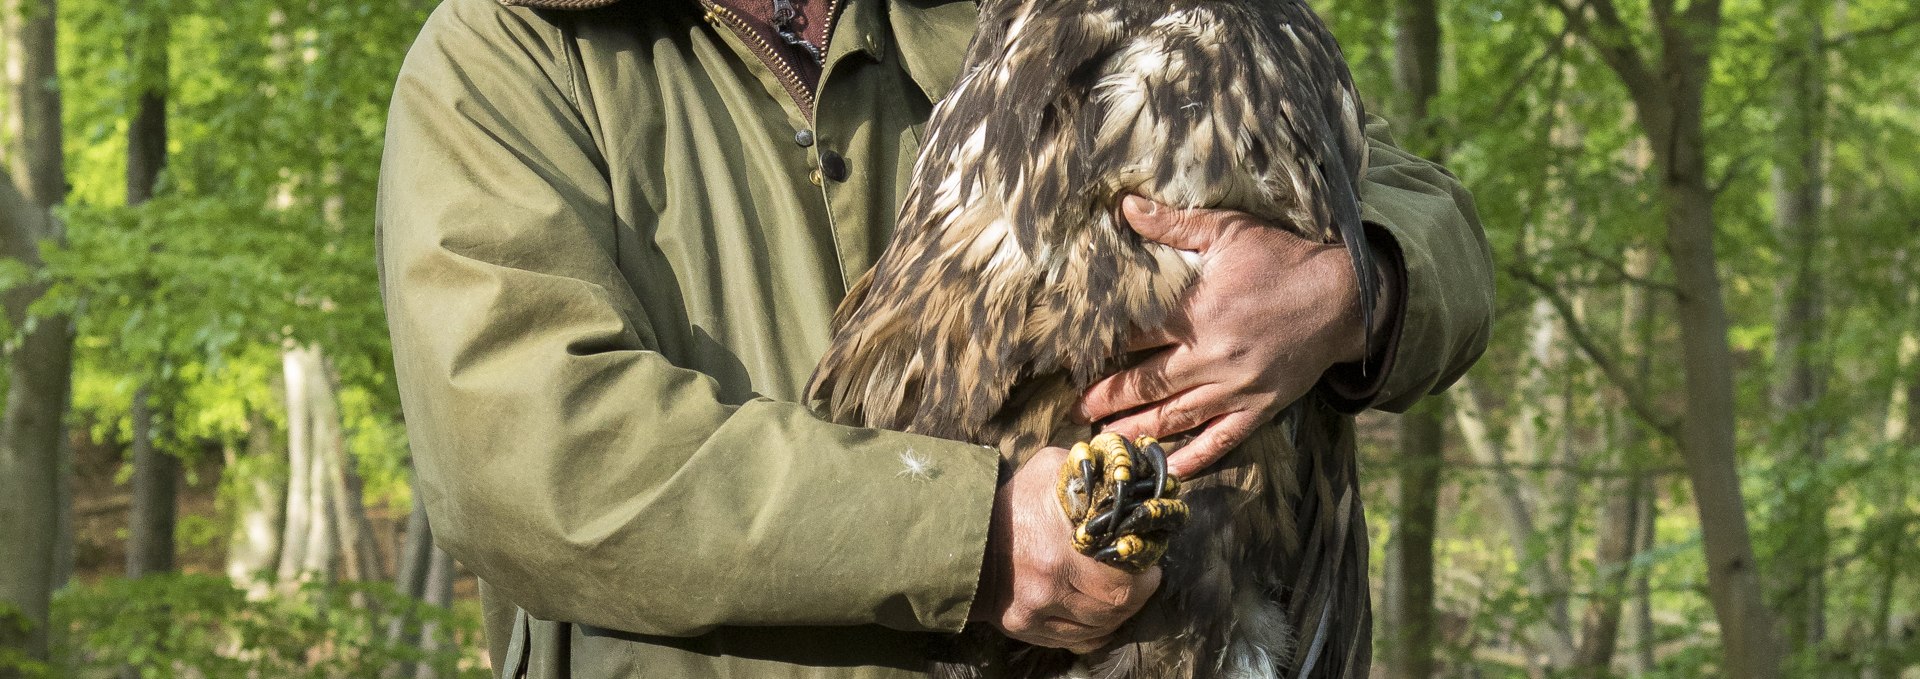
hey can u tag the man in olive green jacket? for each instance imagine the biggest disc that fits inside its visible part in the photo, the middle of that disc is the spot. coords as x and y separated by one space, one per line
612 240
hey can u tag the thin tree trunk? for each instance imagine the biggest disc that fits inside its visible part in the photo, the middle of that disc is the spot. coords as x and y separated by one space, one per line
1409 607
1668 94
1902 434
156 477
260 485
359 554
439 592
416 562
1797 187
299 517
323 532
39 366
1516 512
1538 406
1620 515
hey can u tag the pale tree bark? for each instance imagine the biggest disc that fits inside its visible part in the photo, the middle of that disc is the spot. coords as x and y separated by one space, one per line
1409 607
321 535
1798 186
359 554
39 367
306 514
1539 406
258 485
439 592
1554 637
1624 497
1668 94
1902 435
416 565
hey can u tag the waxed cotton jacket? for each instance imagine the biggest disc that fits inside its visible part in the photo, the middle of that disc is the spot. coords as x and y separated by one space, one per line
609 268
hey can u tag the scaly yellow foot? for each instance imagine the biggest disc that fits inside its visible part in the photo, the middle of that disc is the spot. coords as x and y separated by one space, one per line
1121 500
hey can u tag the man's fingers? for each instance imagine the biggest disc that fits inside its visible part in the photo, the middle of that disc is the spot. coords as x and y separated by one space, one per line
1195 230
1151 380
1178 413
1219 438
1167 335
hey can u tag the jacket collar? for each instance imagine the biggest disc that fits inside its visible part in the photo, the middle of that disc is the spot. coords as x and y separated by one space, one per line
932 35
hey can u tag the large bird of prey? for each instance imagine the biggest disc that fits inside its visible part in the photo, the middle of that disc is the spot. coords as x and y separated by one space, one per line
1012 283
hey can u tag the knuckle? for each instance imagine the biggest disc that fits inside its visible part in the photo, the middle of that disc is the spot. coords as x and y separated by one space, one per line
1020 622
1028 602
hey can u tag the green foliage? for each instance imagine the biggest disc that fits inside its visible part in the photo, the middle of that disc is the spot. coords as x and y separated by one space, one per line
167 625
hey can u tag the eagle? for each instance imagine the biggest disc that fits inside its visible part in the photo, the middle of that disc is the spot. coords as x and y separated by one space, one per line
1012 283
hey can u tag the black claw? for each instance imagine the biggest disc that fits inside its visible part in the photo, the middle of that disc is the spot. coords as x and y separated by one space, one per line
1155 522
1157 458
1086 485
1101 527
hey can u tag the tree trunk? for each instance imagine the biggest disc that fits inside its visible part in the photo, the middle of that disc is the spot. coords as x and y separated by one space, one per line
156 475
301 520
39 366
359 554
1902 434
1644 636
1624 496
322 533
259 484
439 592
156 478
1555 638
1798 186
416 562
1409 607
1668 95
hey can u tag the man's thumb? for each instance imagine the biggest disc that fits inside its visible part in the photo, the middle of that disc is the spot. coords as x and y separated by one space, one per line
1181 229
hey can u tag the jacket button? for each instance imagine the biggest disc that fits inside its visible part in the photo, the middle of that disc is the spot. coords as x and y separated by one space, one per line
804 138
832 166
814 177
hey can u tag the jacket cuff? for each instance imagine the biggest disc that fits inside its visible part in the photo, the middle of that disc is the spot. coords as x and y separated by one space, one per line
1350 388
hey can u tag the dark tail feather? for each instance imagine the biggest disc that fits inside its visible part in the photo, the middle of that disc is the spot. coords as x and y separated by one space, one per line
1344 199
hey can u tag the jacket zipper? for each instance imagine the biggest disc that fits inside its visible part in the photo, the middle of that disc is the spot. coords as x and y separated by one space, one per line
801 93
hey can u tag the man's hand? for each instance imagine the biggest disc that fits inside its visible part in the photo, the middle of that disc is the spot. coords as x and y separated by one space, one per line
1034 587
1268 315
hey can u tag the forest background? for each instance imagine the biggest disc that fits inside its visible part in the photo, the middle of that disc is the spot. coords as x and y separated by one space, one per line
1689 450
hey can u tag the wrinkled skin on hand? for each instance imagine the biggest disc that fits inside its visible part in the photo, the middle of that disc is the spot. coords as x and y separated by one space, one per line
1034 587
1269 313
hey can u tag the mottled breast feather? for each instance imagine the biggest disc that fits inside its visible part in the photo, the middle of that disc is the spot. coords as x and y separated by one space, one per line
1011 281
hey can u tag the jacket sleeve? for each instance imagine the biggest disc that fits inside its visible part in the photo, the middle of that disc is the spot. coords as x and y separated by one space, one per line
1423 224
583 476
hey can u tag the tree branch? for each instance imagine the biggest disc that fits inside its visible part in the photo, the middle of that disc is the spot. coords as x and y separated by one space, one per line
1636 396
1619 269
1612 39
1878 31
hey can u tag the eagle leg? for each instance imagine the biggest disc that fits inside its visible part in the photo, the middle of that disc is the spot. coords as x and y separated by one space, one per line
1121 518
